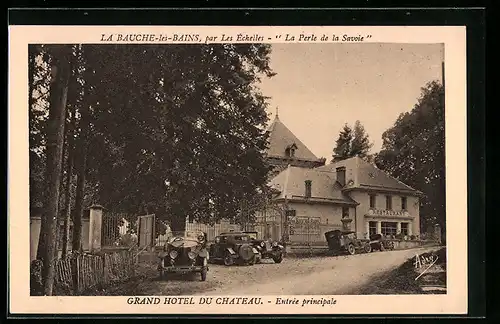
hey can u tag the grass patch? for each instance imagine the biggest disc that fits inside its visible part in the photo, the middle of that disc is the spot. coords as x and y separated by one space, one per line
402 279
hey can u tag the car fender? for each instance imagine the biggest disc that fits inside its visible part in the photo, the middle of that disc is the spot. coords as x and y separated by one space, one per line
203 254
230 250
162 254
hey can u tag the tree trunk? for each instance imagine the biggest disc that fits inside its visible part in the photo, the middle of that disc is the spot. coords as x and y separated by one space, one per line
177 220
55 142
62 192
67 209
80 194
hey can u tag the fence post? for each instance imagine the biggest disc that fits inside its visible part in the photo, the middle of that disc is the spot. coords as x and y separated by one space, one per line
104 269
75 273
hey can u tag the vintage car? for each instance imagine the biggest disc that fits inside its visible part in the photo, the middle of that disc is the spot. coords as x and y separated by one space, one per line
341 242
184 252
234 247
268 249
379 243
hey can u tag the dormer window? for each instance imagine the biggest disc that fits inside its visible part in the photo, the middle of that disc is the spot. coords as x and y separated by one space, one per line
290 150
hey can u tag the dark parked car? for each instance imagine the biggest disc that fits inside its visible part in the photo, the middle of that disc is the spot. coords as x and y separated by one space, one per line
268 249
340 242
234 247
378 242
184 252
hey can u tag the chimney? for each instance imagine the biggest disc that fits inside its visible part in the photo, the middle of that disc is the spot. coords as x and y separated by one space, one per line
341 175
308 188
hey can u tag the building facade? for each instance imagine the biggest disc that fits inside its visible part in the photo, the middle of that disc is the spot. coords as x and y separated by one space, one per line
350 194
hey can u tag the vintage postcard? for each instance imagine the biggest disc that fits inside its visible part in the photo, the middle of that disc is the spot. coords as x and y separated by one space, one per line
237 170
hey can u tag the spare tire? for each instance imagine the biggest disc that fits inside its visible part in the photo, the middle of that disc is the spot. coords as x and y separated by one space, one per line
246 252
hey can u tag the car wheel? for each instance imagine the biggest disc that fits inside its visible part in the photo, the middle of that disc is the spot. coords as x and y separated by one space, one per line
203 274
278 259
252 260
368 248
350 249
228 260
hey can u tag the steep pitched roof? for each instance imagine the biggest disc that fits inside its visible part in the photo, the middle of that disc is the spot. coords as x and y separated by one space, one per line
291 184
280 137
363 175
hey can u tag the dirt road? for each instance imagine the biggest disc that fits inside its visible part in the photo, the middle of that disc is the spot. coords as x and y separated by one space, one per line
307 276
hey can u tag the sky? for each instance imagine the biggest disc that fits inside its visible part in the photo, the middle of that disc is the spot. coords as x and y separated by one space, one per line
320 87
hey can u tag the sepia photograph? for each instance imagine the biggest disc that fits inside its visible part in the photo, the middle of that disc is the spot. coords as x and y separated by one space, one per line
237 169
237 172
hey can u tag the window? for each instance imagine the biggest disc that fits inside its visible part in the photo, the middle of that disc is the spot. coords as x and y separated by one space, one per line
345 212
290 150
388 202
372 227
389 228
403 203
373 201
308 184
404 228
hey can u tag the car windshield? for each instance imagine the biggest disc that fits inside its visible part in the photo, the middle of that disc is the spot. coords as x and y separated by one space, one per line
186 235
243 238
252 235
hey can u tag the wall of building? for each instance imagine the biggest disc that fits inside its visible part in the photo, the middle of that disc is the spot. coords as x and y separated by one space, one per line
363 198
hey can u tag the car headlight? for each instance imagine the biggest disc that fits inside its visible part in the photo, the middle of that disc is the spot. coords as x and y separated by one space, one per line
275 244
173 254
191 255
262 244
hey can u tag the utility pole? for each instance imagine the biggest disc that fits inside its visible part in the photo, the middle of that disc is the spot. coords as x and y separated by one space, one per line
442 74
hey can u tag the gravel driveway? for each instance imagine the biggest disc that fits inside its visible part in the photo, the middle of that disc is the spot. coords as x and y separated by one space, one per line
306 276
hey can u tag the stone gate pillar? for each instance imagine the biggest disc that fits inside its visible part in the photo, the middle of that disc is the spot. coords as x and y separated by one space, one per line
95 227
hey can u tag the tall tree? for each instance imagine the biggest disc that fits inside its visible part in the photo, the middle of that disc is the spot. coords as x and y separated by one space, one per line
360 145
60 69
342 148
352 142
413 151
163 113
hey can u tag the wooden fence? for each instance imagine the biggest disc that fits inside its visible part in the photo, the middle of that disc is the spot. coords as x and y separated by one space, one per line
78 273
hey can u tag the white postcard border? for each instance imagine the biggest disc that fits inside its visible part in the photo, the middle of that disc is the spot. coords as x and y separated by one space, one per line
454 302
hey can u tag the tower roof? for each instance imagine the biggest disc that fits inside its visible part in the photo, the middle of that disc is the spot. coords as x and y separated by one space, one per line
281 138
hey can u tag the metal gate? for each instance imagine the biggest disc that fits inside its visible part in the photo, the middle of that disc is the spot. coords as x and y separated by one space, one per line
114 227
305 230
146 230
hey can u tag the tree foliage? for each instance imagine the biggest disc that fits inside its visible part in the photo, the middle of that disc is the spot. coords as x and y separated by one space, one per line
413 151
352 142
173 130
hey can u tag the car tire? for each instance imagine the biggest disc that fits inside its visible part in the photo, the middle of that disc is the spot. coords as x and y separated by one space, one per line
368 248
228 260
204 275
351 249
278 259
